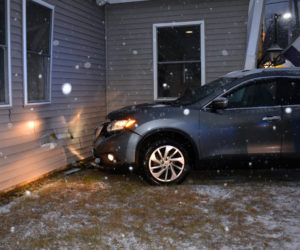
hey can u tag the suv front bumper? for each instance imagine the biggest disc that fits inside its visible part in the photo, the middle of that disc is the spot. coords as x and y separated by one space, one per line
121 145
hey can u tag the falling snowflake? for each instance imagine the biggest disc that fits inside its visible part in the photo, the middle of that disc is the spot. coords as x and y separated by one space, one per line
87 65
166 86
66 88
288 110
225 52
186 112
55 42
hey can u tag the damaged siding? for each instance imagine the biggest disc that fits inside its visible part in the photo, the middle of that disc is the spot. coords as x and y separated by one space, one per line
130 42
35 140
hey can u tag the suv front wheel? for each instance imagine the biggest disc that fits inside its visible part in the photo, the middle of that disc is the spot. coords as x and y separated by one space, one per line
165 162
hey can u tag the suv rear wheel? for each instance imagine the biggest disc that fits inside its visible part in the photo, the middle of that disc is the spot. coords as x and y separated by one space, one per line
165 162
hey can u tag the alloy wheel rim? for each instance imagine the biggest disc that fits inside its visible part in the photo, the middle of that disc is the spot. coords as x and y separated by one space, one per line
166 163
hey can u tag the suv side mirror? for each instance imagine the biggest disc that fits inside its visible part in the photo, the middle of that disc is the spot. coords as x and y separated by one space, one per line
219 103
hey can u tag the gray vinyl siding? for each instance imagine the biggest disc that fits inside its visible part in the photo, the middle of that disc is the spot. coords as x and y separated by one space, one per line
80 30
129 27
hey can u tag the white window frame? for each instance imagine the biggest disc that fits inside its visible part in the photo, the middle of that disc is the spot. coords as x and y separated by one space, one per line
8 59
155 51
51 7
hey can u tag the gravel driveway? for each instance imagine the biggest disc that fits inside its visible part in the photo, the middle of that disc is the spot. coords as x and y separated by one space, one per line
92 209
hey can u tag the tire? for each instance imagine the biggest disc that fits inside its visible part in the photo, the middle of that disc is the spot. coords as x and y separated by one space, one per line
165 162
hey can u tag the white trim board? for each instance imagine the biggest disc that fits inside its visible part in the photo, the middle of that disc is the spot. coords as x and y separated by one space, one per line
41 2
24 30
255 15
155 59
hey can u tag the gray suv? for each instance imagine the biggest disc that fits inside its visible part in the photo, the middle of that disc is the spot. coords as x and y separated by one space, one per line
243 115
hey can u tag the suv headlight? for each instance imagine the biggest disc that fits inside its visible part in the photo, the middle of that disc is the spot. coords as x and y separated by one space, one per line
120 125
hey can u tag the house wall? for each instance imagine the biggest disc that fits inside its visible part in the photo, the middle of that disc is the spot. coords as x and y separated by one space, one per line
33 138
130 42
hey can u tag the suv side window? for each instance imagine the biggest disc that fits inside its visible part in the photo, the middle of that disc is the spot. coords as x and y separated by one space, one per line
256 94
290 91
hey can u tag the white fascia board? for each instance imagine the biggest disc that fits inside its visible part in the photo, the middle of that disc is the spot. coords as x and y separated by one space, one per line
255 15
124 1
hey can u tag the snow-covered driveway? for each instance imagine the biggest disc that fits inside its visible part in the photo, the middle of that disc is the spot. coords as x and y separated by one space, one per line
211 210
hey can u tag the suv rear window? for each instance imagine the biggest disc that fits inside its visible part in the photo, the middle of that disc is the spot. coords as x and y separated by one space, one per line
290 91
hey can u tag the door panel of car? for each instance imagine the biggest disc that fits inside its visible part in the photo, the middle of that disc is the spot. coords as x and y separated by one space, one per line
290 90
249 126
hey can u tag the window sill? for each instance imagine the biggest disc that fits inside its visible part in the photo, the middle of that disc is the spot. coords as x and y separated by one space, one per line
8 106
36 104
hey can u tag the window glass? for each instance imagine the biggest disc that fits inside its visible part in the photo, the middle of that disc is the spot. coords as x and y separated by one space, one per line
257 94
2 22
39 19
3 55
175 78
2 76
179 60
178 43
290 90
38 28
38 68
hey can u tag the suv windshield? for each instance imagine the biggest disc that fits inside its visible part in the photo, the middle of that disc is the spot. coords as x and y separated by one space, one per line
192 95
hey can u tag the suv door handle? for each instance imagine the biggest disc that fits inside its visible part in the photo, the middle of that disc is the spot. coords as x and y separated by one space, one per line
272 118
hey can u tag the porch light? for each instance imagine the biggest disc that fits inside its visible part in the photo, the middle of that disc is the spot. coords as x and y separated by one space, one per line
287 15
189 32
274 52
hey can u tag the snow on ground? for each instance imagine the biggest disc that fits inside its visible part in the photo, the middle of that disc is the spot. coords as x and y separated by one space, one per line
6 208
221 211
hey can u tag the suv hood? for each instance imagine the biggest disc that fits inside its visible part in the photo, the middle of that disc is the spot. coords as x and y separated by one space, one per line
125 112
